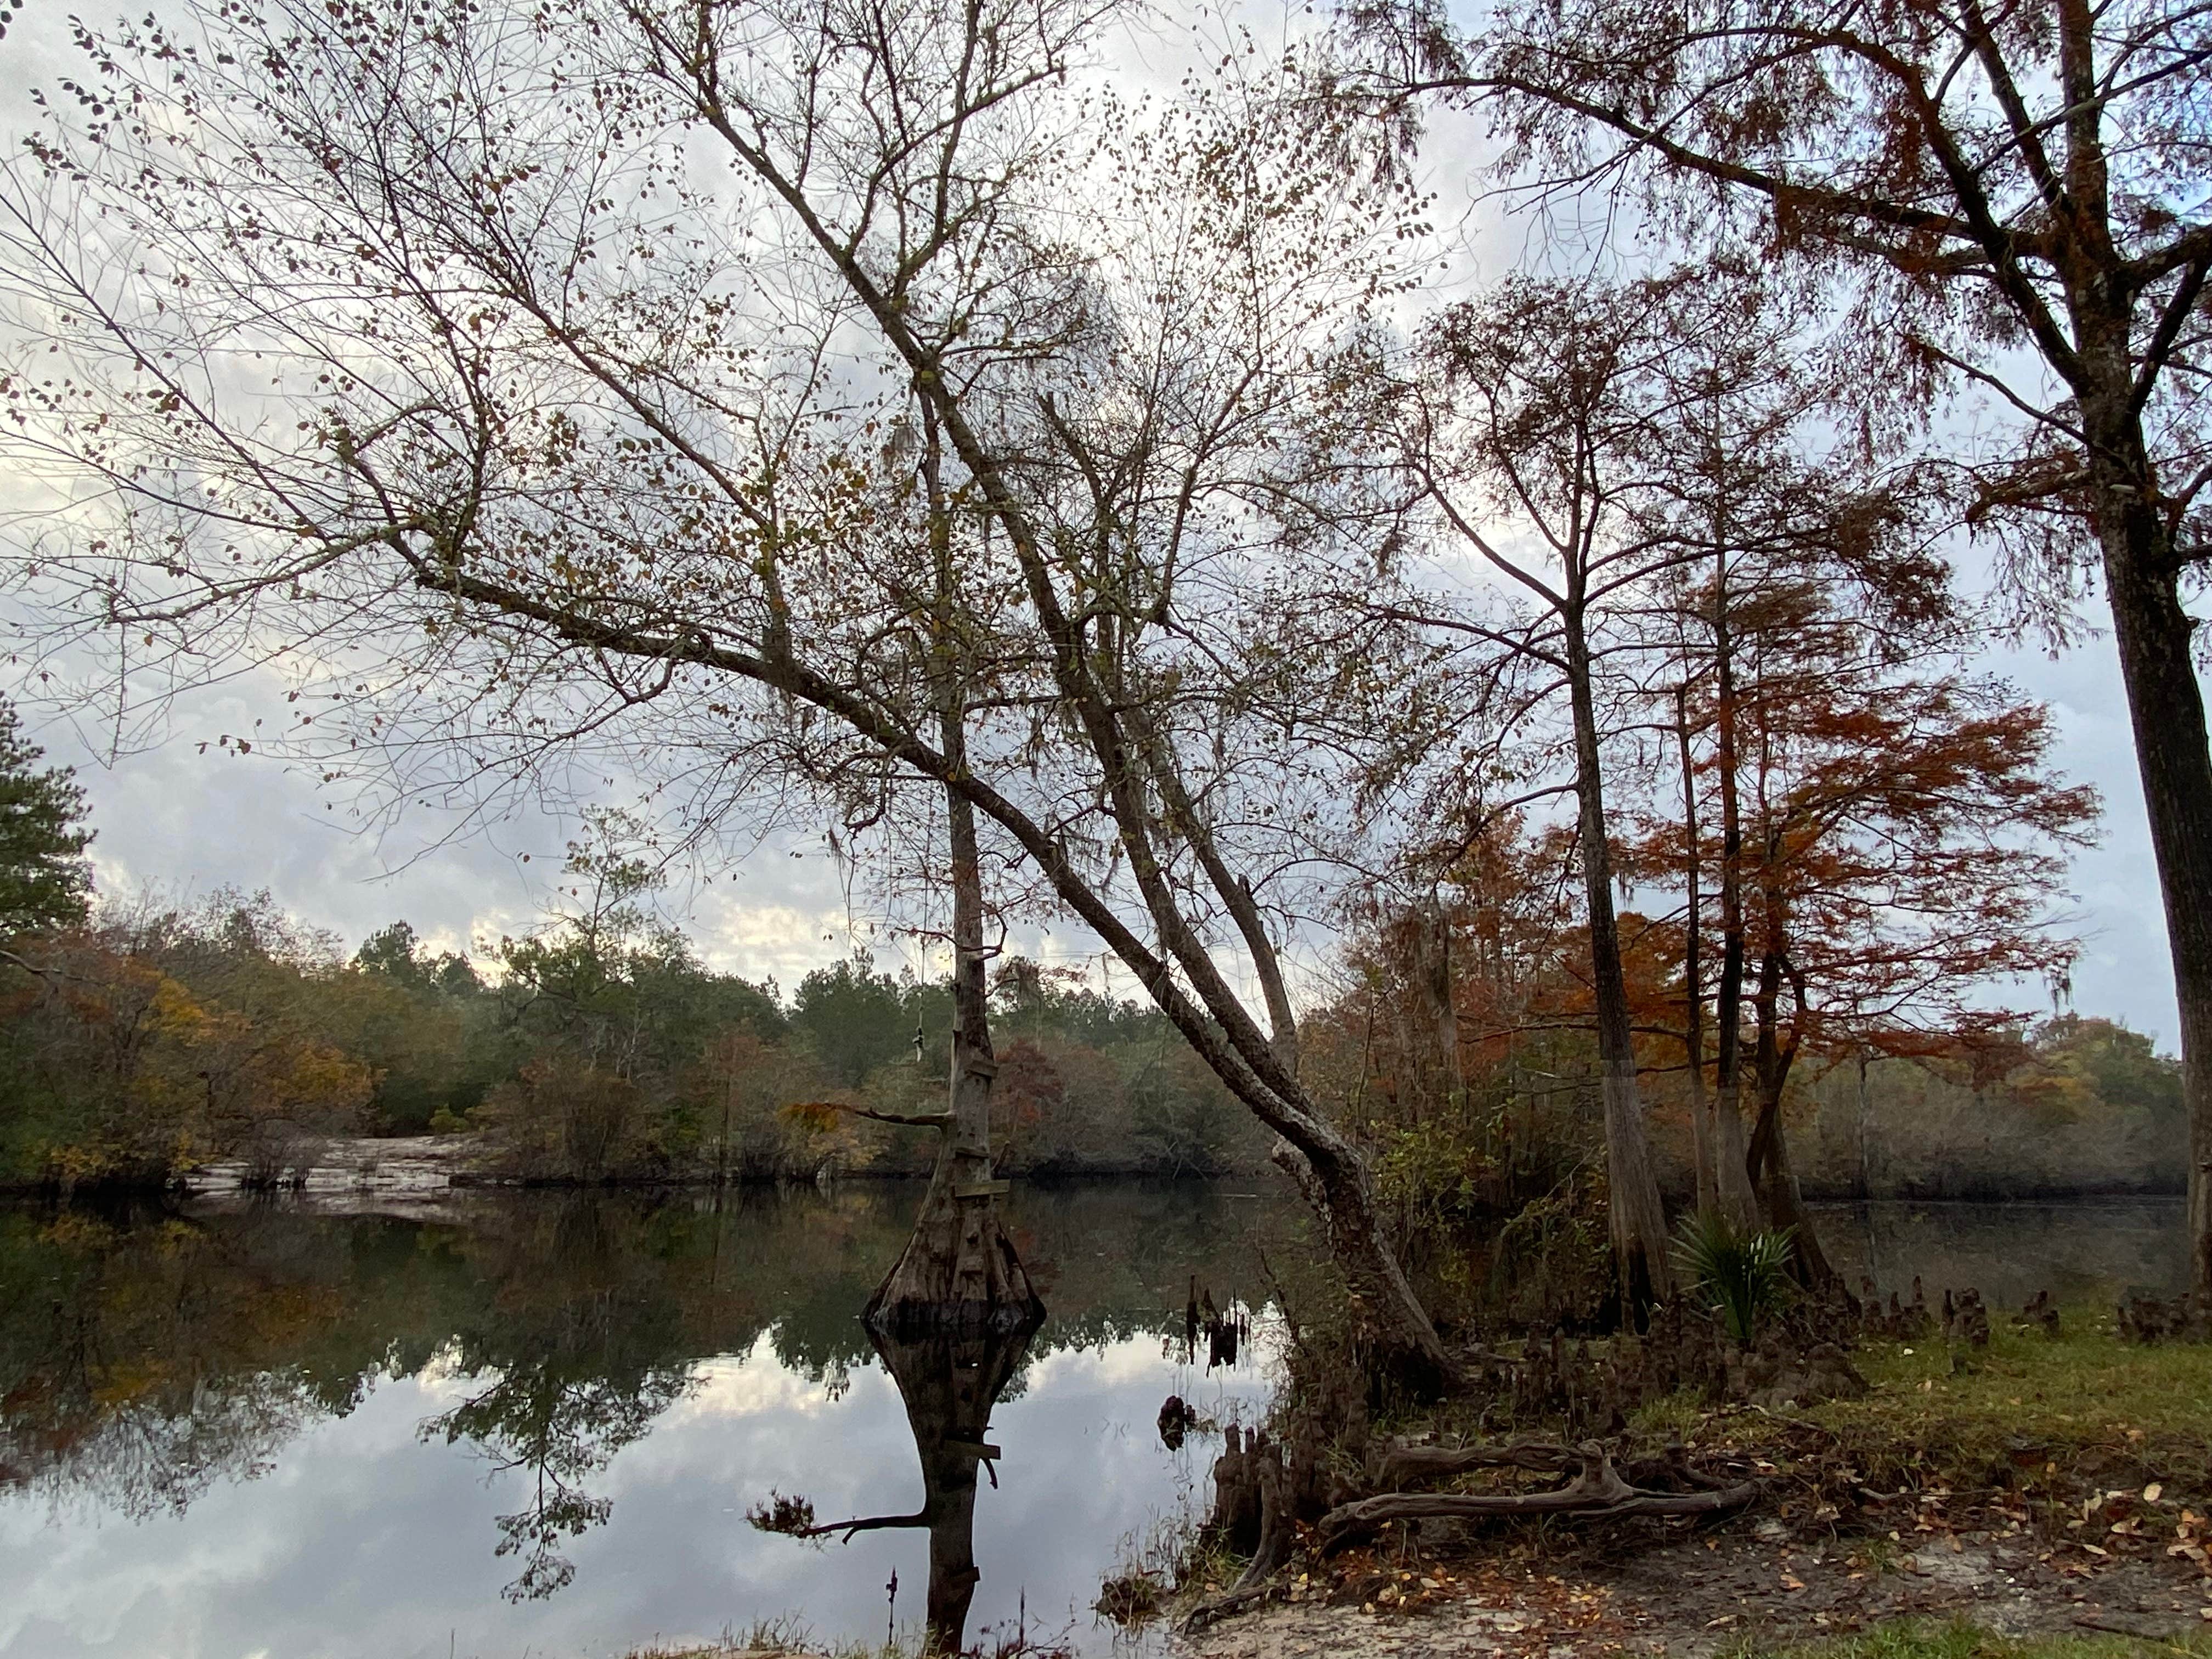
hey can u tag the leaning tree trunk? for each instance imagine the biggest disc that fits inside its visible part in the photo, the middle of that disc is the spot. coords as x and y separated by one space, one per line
1393 1335
1636 1217
959 1272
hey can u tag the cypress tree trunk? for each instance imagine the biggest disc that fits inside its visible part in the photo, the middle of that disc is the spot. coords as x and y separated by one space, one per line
1693 984
1732 1171
949 1384
1636 1218
2166 708
2166 705
959 1272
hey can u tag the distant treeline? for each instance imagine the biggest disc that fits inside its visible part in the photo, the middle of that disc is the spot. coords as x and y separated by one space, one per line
599 1047
2077 1105
1494 1182
154 1038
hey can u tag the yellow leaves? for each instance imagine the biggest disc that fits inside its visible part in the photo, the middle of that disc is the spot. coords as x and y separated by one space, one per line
175 1013
819 1117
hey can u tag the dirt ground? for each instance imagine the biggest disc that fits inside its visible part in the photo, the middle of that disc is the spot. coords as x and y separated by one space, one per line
1754 1586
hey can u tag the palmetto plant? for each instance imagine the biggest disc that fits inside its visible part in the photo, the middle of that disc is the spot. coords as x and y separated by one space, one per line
1740 1275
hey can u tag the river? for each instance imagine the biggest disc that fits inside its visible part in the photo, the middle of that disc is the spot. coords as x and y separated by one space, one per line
535 1423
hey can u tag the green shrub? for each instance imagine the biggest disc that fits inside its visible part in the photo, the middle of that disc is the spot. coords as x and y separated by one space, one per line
1741 1276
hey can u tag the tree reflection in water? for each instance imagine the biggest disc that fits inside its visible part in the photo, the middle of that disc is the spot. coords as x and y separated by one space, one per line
949 1384
561 1429
149 1355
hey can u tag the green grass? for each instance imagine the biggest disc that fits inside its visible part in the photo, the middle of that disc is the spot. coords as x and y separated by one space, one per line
1911 1639
2085 1392
2027 1411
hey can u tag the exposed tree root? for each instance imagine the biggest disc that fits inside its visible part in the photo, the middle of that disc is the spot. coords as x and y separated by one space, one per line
1597 1492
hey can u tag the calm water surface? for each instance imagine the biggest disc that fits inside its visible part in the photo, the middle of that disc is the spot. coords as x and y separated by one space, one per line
533 1424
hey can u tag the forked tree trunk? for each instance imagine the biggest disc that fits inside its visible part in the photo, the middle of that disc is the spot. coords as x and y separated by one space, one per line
2142 575
1636 1218
1780 1197
1782 1200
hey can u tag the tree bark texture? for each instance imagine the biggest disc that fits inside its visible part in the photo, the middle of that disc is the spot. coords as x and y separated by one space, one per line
959 1271
1637 1219
1693 984
2166 710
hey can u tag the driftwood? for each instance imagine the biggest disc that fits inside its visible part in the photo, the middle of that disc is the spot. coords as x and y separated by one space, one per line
1597 1492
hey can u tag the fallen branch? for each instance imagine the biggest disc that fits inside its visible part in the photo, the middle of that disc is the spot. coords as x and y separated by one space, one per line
1223 1606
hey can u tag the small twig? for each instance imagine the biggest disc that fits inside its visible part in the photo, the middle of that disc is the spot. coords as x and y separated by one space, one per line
1221 1607
2087 1622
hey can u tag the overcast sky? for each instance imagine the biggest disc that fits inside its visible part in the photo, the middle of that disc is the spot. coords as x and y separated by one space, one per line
191 821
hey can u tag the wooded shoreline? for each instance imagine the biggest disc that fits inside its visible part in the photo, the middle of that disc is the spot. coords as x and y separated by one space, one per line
449 1170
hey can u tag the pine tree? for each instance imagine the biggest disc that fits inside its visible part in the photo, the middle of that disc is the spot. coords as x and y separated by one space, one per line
44 881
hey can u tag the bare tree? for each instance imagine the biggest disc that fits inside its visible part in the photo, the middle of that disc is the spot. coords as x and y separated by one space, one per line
520 383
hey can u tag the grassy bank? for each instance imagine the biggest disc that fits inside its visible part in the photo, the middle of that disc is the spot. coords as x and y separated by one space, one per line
1916 1639
2099 1443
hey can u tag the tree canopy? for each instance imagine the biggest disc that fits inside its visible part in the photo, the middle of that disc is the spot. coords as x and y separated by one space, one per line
44 881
